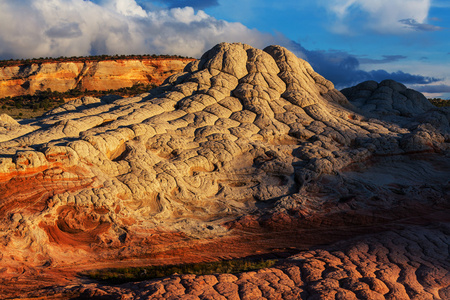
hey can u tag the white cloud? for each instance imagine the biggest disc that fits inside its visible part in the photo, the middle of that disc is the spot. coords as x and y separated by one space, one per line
381 16
125 7
35 28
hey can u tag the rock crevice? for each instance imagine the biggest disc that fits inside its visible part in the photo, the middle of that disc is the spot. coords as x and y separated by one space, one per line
244 141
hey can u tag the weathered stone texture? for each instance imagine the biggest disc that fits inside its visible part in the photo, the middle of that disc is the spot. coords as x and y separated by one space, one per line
245 143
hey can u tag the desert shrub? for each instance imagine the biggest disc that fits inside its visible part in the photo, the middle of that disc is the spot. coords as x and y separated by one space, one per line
122 275
48 99
439 102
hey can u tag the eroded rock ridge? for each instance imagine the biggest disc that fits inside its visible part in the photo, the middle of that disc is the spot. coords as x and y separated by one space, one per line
246 148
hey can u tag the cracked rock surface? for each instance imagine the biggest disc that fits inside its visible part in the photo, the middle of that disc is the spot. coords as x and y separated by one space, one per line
247 151
406 264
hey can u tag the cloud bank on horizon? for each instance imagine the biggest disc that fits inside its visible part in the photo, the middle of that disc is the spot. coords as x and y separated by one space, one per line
344 69
52 28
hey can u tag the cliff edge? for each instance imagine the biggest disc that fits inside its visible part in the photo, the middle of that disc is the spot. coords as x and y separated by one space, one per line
88 75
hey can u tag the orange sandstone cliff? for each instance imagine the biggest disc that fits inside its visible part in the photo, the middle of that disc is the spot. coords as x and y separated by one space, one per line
90 75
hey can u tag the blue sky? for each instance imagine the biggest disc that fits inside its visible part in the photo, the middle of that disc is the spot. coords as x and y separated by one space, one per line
347 41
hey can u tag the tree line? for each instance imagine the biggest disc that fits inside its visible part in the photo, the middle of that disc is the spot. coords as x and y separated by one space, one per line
93 58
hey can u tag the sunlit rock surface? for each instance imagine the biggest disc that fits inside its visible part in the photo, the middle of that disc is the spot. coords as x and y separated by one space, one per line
246 152
86 75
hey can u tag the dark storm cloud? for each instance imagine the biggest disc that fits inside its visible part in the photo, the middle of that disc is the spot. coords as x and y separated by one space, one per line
385 59
413 24
402 77
67 30
343 69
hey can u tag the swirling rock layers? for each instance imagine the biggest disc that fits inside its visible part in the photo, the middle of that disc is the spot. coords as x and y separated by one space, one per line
247 149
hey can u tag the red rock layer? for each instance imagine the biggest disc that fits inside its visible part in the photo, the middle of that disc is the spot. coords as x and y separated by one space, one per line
247 152
28 193
402 264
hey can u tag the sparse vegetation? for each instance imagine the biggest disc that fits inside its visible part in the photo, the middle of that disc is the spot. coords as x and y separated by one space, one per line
42 101
28 106
439 102
122 275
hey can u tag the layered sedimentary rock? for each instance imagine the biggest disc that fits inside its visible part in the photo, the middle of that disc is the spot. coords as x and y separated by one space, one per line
246 152
89 75
406 264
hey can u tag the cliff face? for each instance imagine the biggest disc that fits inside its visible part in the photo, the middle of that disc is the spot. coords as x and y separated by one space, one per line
90 75
246 152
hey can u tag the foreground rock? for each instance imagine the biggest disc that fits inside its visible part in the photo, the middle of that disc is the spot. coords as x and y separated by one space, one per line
247 152
406 264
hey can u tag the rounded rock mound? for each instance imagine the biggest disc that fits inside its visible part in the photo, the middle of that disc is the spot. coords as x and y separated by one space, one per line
244 151
387 97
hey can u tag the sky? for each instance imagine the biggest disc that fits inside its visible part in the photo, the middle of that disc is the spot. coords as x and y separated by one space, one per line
346 41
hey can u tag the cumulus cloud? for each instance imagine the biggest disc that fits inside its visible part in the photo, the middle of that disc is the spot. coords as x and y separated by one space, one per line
64 30
34 28
125 7
381 16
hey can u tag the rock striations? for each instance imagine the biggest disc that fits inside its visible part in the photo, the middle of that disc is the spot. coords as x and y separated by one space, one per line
246 152
87 75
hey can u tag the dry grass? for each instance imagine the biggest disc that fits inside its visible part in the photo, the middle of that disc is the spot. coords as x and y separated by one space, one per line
22 113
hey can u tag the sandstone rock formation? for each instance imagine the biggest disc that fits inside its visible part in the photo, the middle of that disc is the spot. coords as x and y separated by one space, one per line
246 152
407 264
88 75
